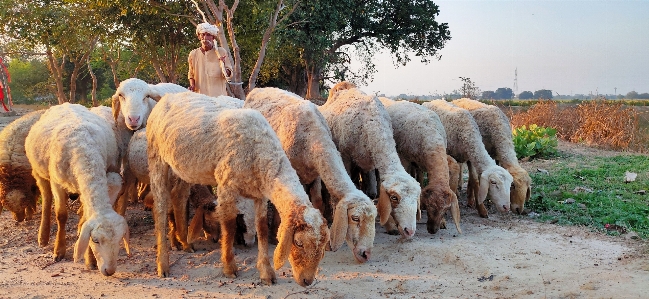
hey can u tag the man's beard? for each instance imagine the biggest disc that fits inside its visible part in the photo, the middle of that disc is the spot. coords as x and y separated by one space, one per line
207 43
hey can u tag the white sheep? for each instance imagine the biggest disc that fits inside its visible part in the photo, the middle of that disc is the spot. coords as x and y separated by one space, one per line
204 219
18 189
362 132
237 150
307 141
421 139
135 98
74 150
465 145
496 132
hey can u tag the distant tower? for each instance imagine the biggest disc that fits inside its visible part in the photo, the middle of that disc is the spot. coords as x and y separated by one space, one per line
515 82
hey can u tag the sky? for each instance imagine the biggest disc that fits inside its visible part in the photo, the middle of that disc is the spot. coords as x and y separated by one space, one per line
569 47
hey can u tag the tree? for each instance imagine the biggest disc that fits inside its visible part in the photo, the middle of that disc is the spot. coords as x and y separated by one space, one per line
468 89
488 95
324 31
29 79
526 95
543 94
504 93
631 95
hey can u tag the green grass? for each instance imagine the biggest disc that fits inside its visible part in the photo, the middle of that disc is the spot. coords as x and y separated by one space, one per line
612 201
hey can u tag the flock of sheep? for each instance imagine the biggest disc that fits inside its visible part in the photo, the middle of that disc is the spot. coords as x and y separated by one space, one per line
275 146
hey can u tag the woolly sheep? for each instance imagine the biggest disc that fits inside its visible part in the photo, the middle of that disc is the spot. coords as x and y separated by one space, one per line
200 197
362 132
306 139
421 139
465 145
72 149
18 189
241 154
495 129
135 98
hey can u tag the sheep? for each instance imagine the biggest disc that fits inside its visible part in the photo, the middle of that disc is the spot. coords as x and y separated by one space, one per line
134 99
200 196
237 150
306 139
362 132
495 129
465 146
72 149
421 139
18 189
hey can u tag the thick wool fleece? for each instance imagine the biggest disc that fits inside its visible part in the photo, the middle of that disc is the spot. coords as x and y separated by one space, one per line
18 190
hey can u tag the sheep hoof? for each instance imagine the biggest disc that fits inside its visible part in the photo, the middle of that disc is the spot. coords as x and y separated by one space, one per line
58 258
189 248
162 273
393 232
230 271
91 266
269 280
482 211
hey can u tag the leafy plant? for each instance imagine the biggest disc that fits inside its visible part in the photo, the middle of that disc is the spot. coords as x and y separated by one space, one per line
535 141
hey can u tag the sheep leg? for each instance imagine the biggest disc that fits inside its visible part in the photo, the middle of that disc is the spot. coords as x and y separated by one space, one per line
391 226
171 235
227 211
180 197
46 211
61 209
472 186
266 272
161 191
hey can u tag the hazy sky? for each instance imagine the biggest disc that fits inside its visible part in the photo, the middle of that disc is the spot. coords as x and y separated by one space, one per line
569 47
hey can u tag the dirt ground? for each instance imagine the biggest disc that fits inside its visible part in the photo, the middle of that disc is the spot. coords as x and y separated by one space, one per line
499 257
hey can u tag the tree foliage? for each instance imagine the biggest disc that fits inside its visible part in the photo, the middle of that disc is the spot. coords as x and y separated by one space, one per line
526 95
543 94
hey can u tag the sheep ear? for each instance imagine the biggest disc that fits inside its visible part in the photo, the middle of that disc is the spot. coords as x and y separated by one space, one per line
484 189
127 240
154 93
384 206
116 106
455 211
82 243
339 226
196 226
285 238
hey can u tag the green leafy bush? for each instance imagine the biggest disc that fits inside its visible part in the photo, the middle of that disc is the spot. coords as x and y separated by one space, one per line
535 141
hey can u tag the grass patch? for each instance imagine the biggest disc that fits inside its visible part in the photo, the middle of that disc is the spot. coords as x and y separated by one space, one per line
601 197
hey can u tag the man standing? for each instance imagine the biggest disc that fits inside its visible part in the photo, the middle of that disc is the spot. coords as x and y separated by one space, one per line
209 66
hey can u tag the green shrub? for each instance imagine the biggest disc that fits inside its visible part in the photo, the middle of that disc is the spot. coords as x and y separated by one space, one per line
535 141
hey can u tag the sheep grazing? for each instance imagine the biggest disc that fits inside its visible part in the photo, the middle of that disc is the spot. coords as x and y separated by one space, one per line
241 154
306 139
495 129
18 189
135 98
465 146
421 139
362 132
74 150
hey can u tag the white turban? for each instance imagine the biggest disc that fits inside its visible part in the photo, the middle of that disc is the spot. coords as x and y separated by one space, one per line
207 28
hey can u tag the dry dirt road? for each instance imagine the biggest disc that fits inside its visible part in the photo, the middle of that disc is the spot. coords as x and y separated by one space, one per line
498 257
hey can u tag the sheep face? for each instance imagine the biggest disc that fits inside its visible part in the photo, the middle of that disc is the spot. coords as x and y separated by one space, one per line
132 99
18 192
302 239
354 222
438 201
105 232
521 189
497 181
398 196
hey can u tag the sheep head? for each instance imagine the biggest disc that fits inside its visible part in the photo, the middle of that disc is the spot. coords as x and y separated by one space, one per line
134 98
398 196
106 231
497 182
302 240
521 189
438 200
354 220
18 191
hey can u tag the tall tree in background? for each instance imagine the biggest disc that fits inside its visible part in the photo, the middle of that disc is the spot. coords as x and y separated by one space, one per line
504 93
468 89
324 30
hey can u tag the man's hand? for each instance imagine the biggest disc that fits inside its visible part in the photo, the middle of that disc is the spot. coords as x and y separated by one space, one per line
192 88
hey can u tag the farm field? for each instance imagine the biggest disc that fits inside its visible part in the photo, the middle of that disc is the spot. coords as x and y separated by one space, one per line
499 257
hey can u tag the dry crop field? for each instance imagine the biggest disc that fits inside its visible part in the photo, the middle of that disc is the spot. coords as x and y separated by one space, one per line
498 257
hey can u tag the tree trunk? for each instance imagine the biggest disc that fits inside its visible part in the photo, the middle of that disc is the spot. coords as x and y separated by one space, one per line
95 103
57 73
313 83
